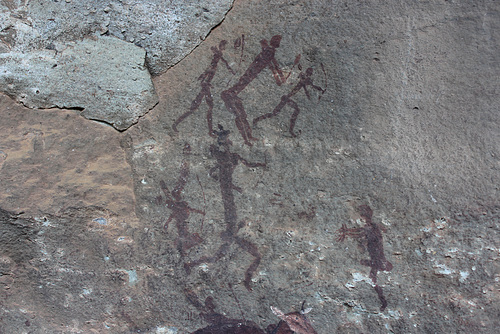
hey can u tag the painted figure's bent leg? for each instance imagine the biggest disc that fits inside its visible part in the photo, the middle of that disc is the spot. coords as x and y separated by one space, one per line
276 111
381 297
194 106
293 118
235 106
252 250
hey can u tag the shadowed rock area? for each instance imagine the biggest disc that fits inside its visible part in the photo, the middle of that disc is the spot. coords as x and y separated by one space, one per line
312 167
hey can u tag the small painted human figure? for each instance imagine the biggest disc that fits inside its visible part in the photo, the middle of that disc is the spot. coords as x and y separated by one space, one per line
206 83
371 235
230 96
180 209
304 81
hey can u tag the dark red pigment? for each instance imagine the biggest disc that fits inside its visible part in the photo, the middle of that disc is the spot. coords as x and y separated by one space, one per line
371 235
180 208
206 83
226 163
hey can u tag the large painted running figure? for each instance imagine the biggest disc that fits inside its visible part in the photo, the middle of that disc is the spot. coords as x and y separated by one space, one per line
230 96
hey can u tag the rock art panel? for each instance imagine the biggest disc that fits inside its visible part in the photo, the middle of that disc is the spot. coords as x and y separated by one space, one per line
106 78
407 126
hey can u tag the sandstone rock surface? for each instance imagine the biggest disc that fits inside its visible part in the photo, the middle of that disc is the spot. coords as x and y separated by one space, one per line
105 77
59 46
355 167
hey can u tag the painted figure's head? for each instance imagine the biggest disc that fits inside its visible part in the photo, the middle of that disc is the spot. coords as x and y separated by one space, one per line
275 41
365 211
223 136
222 45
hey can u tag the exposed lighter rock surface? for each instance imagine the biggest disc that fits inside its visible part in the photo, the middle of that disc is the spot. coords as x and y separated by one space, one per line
106 77
168 30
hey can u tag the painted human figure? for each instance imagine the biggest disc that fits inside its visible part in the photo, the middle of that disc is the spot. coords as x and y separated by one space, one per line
206 83
304 81
371 235
180 209
226 163
230 96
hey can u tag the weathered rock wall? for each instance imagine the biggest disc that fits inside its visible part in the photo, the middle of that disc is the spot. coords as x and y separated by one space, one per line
361 176
60 53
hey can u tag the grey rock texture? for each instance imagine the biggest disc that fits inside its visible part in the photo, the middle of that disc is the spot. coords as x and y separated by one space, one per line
167 30
105 77
170 229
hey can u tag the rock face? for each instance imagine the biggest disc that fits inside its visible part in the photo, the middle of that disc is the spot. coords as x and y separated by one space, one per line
342 153
86 70
167 30
105 77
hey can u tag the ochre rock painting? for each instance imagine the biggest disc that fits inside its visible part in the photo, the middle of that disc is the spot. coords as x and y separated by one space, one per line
371 237
222 172
226 162
234 104
180 208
